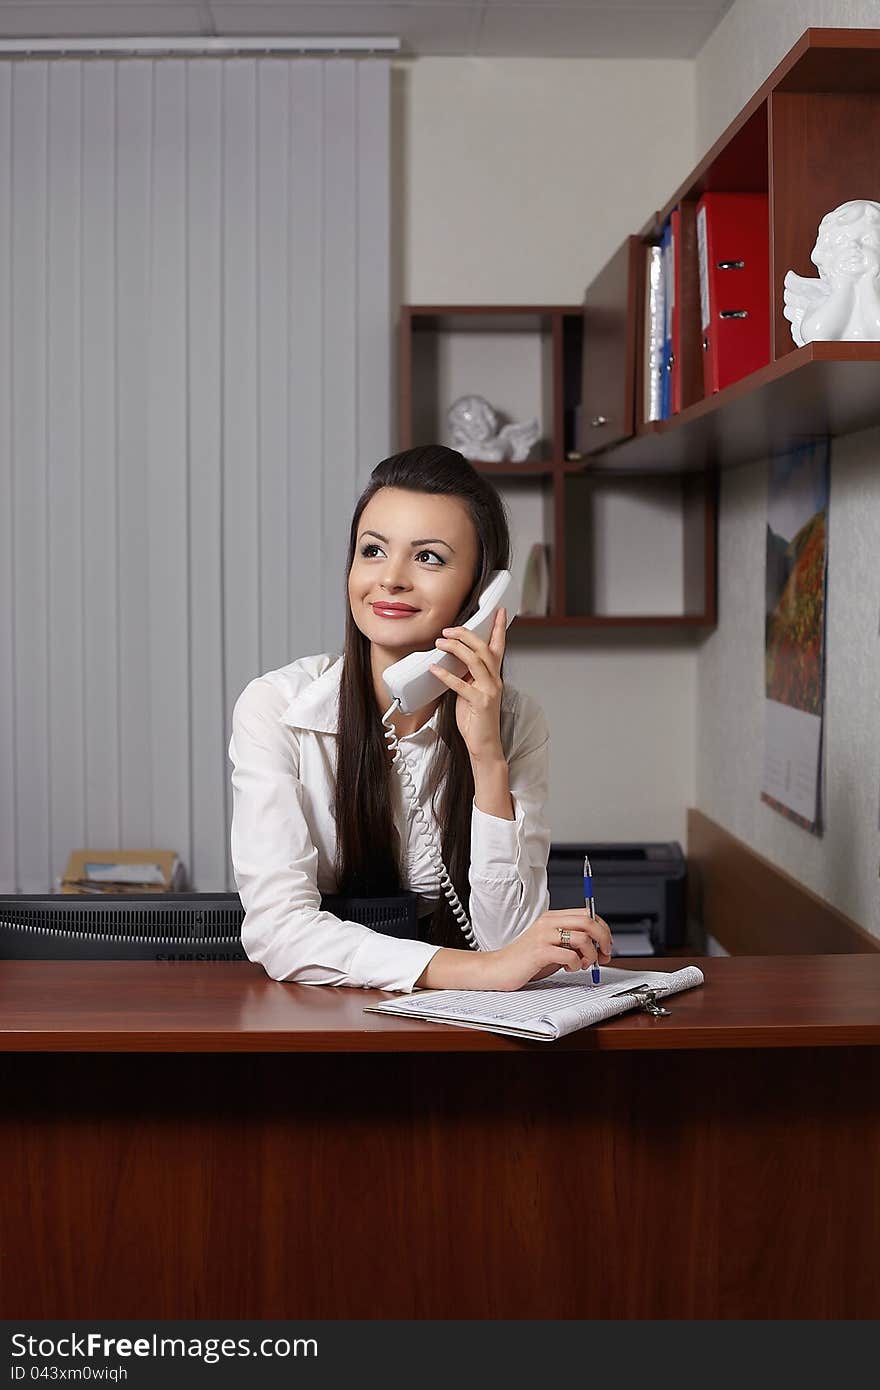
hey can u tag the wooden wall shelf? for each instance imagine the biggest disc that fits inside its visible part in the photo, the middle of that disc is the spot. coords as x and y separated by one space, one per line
821 389
808 138
567 500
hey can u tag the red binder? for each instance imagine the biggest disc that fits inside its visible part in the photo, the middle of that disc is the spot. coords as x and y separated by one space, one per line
733 238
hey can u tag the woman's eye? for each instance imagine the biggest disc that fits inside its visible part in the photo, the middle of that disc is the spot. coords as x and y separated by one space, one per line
372 546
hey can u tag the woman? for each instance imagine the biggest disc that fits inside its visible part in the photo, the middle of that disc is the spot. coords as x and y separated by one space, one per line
318 807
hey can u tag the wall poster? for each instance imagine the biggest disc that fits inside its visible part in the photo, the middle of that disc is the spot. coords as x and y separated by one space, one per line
794 640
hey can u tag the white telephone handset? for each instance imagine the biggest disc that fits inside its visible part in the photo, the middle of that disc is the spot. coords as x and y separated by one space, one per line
412 686
411 682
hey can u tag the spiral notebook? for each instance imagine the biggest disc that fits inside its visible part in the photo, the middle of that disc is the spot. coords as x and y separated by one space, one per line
547 1009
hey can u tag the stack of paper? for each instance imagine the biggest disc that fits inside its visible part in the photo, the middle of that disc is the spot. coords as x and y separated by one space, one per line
116 871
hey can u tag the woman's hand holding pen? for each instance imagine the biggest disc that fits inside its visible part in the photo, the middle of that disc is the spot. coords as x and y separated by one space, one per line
541 949
536 953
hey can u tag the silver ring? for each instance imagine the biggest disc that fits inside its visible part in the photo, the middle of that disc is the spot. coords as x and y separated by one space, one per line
564 936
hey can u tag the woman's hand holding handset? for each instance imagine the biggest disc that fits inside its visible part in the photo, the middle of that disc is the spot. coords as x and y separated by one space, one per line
536 953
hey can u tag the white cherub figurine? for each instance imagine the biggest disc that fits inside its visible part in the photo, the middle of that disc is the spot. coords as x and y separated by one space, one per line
473 424
843 305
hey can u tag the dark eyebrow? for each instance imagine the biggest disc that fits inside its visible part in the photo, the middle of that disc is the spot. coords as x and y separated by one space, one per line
426 540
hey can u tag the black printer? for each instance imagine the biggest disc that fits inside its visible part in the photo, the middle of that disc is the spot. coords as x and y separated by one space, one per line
638 887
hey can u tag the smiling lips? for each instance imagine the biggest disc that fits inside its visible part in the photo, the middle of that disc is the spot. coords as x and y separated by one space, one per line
393 610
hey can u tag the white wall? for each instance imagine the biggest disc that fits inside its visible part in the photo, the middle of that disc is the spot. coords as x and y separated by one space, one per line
840 866
514 181
519 177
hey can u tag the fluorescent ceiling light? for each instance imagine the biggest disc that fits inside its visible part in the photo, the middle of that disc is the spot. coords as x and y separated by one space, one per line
198 43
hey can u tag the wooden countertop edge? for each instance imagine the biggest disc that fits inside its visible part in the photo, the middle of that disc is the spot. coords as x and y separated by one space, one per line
650 1036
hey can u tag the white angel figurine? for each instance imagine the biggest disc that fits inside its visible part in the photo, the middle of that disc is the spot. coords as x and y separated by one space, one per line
519 438
474 427
843 305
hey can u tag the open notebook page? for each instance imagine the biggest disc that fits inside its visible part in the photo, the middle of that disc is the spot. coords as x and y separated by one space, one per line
546 1009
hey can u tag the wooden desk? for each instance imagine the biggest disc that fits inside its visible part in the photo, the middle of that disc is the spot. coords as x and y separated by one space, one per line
198 1141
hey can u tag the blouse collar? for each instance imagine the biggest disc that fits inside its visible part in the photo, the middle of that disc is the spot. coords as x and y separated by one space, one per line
317 707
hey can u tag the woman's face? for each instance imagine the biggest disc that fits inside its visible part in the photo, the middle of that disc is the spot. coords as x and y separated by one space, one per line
414 549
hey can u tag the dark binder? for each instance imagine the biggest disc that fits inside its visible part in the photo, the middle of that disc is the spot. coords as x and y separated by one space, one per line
675 315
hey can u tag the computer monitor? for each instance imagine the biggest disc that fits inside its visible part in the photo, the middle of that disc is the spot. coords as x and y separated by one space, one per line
122 926
160 926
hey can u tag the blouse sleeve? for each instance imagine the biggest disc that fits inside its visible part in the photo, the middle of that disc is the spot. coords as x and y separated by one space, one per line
508 874
275 866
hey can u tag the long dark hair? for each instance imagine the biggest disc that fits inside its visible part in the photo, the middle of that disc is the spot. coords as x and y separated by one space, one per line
368 850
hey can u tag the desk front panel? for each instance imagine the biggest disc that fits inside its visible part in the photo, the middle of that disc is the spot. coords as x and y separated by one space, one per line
546 1184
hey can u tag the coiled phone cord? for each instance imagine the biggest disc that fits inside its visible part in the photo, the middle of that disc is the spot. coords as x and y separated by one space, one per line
427 834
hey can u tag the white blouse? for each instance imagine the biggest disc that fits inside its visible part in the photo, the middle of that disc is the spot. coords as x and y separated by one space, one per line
283 752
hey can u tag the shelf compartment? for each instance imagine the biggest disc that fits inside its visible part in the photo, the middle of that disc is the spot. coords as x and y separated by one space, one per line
505 354
640 549
823 152
614 303
529 502
738 163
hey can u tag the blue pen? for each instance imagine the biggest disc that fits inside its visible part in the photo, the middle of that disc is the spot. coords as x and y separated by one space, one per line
591 908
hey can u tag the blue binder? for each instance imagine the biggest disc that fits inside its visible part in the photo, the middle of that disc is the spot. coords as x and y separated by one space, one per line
668 299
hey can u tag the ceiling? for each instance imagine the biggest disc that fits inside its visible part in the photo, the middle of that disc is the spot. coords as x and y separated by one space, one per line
472 28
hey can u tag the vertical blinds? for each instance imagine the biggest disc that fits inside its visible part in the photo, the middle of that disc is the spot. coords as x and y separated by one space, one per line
194 384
